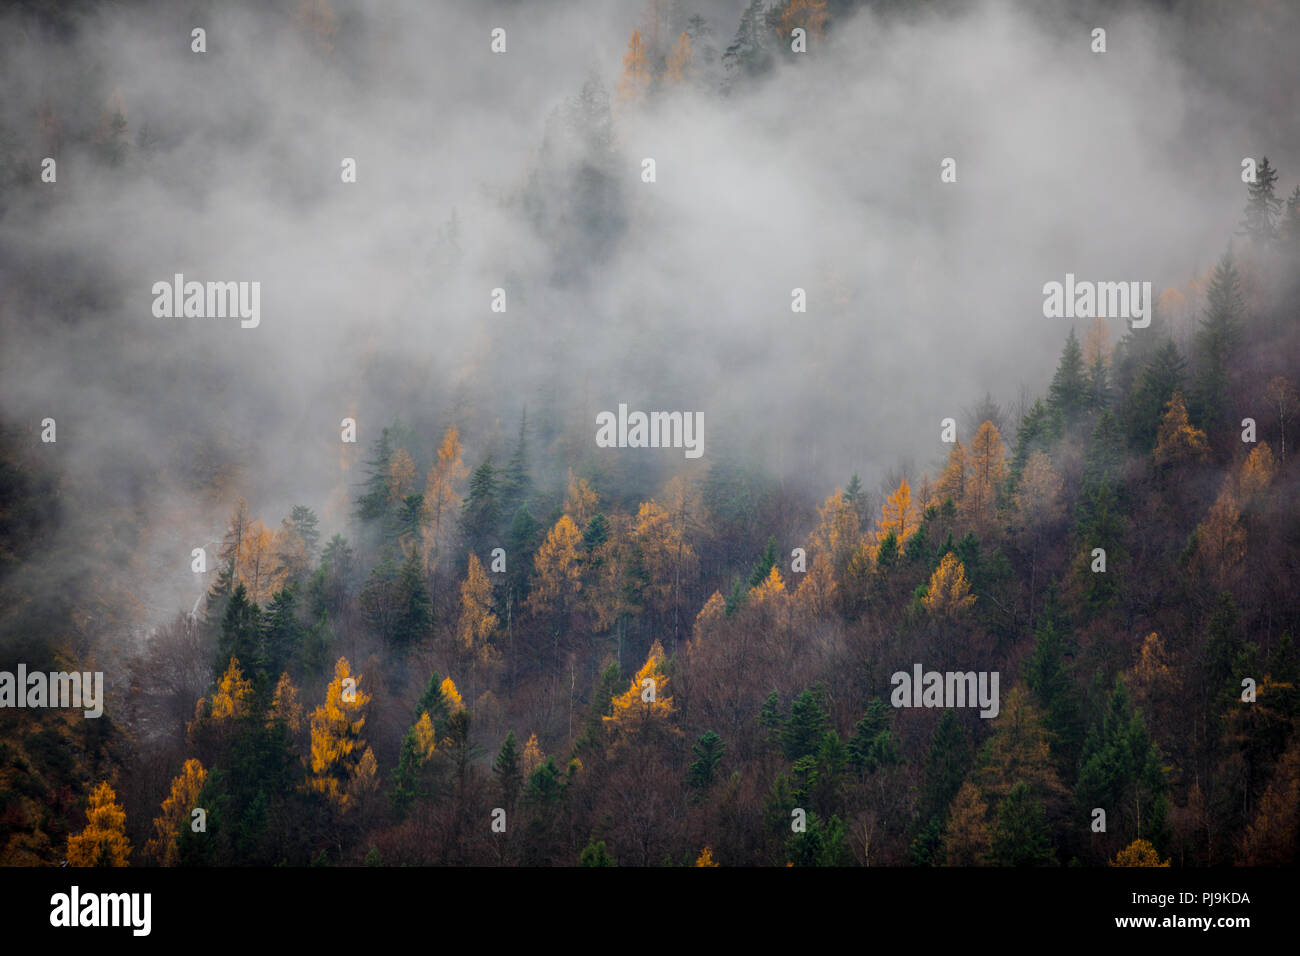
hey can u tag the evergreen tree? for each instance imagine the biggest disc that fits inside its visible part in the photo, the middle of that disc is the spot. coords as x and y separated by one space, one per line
708 751
510 777
1262 206
1021 836
481 509
1157 382
1068 395
516 483
764 564
241 635
950 758
801 735
372 504
1217 341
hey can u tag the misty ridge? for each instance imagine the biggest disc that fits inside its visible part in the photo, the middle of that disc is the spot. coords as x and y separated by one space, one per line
270 279
479 171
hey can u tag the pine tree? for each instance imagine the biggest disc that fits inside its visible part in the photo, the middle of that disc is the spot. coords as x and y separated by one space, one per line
950 758
708 751
510 777
1021 836
481 509
801 735
1160 378
1068 394
1217 341
1262 206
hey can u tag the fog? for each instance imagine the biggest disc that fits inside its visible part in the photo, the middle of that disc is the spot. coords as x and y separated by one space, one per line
674 295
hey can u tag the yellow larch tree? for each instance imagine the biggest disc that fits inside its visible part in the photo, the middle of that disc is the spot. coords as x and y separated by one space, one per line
580 502
1177 440
175 813
771 588
984 475
678 64
1221 540
532 757
1096 344
839 530
1270 840
714 610
442 489
285 706
952 483
809 14
342 766
706 855
647 702
1256 472
1138 853
559 575
234 696
898 515
635 81
1038 494
949 592
257 565
477 622
103 842
451 695
425 738
815 597
966 838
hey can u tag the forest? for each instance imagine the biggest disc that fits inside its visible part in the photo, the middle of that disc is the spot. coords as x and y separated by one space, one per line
368 589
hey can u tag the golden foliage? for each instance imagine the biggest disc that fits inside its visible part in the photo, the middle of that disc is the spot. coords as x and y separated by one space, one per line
898 515
646 702
164 845
966 839
1256 472
1019 750
949 592
715 609
451 695
660 536
477 622
1096 343
234 696
838 529
425 737
809 14
533 756
285 705
769 588
706 855
678 64
1038 495
1138 853
983 475
103 842
1177 441
558 573
441 492
581 501
1221 540
635 81
816 593
342 766
952 483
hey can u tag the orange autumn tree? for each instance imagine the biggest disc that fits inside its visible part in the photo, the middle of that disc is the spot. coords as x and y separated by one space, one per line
441 492
984 475
103 842
899 515
342 766
677 67
647 703
948 594
809 14
635 81
952 483
1177 440
164 846
285 706
477 622
1138 853
559 575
